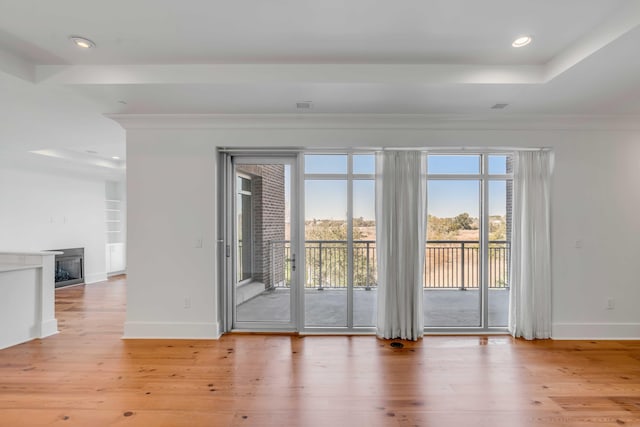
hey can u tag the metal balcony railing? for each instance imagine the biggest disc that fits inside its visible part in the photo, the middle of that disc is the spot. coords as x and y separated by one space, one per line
449 264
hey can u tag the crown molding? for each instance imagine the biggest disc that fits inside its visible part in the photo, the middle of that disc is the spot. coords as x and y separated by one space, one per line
378 121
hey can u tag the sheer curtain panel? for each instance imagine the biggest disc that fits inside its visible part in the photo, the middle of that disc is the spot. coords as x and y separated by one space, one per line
530 308
401 194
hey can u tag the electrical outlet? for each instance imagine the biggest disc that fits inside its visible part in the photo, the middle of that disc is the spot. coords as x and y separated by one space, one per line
611 303
187 302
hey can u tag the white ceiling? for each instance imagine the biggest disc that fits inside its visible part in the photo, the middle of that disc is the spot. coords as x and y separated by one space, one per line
299 31
357 56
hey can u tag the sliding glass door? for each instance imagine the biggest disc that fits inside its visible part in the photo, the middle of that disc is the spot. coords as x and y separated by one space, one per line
330 283
308 263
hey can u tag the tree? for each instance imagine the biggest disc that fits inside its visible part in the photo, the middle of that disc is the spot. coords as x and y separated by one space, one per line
497 227
463 222
440 228
332 250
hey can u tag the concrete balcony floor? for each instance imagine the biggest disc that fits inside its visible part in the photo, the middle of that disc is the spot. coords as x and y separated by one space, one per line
328 308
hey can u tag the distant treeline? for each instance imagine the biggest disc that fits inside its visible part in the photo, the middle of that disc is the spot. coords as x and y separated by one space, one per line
437 228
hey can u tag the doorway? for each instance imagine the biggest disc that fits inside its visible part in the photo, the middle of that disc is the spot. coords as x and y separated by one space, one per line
263 213
468 252
301 243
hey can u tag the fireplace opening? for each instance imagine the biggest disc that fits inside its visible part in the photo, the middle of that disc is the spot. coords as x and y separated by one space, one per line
69 268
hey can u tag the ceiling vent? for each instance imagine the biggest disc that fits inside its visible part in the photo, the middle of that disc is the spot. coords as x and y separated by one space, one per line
499 106
305 105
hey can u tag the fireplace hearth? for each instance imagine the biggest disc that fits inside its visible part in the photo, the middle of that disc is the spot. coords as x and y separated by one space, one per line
69 268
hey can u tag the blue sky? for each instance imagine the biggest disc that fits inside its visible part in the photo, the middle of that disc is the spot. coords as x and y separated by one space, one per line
327 199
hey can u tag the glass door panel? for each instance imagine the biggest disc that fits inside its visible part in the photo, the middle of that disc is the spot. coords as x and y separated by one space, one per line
500 197
244 228
326 268
264 253
452 284
365 276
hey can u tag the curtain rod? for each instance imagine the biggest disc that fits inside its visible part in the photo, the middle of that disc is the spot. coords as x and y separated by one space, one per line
278 150
465 149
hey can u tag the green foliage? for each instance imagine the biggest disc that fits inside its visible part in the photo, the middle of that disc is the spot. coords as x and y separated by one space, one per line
463 222
329 229
448 228
332 271
333 252
361 222
497 228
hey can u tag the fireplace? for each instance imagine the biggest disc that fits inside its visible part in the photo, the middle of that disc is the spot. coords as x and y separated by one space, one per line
69 268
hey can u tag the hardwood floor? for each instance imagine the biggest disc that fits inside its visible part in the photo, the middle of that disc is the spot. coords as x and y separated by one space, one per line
88 376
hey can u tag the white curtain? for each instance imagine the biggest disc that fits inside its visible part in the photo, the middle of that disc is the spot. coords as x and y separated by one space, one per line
530 308
401 211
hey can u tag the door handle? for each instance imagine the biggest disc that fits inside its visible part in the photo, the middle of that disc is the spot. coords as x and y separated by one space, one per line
292 260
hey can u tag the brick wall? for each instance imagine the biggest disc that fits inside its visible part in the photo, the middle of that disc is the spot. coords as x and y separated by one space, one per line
509 197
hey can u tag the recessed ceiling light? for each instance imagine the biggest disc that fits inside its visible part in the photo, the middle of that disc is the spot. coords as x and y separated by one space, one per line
521 41
82 42
115 158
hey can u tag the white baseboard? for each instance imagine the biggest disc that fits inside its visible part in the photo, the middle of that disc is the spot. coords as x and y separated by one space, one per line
11 342
167 330
95 278
116 273
220 331
48 328
596 331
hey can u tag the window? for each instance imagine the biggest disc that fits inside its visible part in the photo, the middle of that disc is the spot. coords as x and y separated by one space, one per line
466 281
245 226
441 164
340 271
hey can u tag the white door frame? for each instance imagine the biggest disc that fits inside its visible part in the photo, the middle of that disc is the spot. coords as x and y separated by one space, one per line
232 324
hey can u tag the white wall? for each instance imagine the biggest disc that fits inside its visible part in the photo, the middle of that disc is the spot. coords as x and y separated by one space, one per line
596 201
42 211
170 206
172 201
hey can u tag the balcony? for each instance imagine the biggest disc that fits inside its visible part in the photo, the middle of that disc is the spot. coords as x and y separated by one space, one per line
451 283
449 264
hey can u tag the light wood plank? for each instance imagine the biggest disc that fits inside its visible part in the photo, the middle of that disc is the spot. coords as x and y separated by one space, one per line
87 375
